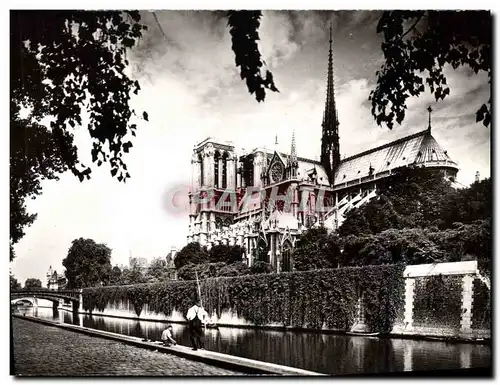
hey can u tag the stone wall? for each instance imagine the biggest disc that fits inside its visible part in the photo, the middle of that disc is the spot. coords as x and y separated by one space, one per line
452 315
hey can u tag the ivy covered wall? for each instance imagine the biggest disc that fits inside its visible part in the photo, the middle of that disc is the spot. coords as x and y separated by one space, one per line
315 299
438 301
481 306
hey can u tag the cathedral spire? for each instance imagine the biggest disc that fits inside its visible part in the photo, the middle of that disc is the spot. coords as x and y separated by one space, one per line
430 111
294 164
330 148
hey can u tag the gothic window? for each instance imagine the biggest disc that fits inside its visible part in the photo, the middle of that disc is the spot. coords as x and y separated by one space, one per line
287 256
248 170
224 169
216 168
276 172
200 159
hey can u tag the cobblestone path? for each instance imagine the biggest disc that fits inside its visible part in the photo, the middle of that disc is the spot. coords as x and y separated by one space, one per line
41 350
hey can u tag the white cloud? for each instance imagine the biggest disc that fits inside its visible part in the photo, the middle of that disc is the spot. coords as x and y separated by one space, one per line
276 47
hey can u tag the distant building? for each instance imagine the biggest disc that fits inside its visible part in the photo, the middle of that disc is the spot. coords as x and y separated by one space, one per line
55 281
141 262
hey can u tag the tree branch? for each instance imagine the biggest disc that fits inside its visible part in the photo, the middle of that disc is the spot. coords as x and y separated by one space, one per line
413 26
159 25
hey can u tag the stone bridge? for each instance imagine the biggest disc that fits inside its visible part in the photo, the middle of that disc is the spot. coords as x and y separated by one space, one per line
56 296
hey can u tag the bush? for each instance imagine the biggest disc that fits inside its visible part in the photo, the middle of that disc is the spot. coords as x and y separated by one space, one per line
212 270
261 267
234 269
205 270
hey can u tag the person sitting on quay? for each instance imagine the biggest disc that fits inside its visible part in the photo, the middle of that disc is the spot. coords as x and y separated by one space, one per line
167 338
196 316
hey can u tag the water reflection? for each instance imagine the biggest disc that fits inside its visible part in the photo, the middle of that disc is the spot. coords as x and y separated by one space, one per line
325 353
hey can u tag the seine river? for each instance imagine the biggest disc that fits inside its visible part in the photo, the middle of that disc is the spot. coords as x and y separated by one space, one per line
324 353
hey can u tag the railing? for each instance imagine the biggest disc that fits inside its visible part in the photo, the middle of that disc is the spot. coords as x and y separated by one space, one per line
64 293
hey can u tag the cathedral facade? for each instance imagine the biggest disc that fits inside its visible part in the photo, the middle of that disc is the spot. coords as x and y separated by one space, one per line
264 199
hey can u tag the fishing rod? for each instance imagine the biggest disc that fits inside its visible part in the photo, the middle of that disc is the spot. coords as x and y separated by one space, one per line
199 295
199 289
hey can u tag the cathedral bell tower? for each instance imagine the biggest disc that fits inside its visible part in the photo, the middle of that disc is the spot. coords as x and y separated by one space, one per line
330 148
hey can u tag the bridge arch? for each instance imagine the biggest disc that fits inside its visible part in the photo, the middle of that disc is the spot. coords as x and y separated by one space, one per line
23 300
56 296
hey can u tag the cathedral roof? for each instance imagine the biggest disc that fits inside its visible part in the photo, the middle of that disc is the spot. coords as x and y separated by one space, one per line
420 148
308 166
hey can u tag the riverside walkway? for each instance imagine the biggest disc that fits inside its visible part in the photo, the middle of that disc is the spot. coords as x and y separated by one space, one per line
41 350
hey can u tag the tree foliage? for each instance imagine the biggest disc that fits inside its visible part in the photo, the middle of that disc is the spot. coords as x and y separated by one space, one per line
226 253
115 276
32 283
87 264
243 27
219 261
417 218
420 197
134 274
156 268
316 249
417 42
189 271
191 253
62 64
14 283
159 270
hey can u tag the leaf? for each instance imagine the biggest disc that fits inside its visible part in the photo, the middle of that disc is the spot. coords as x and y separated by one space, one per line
487 120
145 116
126 146
481 112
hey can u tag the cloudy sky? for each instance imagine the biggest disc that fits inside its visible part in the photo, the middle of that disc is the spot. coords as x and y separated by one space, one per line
191 90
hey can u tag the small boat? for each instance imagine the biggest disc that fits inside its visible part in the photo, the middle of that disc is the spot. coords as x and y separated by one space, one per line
362 334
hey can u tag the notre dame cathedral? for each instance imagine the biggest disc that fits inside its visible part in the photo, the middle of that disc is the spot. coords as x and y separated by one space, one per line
289 193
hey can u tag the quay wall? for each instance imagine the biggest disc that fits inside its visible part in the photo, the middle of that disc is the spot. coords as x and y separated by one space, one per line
437 300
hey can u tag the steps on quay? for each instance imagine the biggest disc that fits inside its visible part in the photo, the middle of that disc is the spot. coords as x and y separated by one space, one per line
218 359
